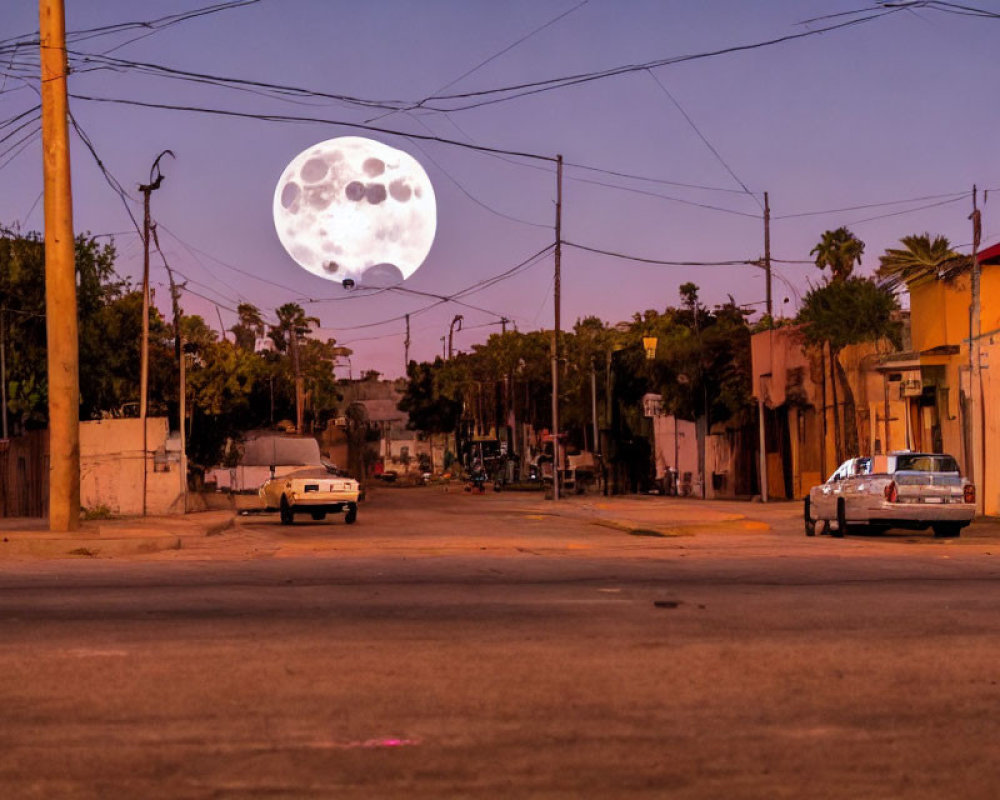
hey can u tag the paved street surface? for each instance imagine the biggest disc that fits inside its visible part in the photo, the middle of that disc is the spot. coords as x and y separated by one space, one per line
450 645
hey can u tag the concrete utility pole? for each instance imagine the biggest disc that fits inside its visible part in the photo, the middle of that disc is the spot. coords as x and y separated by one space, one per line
61 324
975 367
556 290
155 179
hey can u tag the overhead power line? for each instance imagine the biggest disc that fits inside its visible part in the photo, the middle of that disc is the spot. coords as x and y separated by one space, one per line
670 198
703 138
504 93
303 119
494 57
469 290
89 62
949 195
147 25
732 263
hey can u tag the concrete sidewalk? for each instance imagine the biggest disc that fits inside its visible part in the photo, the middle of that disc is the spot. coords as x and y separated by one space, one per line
31 538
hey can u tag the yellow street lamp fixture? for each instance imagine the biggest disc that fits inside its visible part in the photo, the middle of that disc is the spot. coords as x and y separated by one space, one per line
649 345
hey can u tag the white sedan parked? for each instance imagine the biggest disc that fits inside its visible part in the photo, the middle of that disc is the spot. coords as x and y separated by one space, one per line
899 490
311 490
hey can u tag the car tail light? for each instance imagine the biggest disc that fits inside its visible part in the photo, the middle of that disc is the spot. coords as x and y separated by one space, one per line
891 493
969 493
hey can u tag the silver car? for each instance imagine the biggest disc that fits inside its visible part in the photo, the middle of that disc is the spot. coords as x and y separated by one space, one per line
900 490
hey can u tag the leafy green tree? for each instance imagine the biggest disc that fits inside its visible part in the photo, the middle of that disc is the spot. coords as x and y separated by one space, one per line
839 250
109 324
221 378
429 409
920 258
840 313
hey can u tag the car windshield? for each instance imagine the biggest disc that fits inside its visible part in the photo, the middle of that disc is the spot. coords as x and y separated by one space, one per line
921 462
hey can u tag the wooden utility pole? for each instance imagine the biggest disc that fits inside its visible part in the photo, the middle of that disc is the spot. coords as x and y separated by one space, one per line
155 179
556 290
299 384
975 367
182 413
175 300
3 370
61 324
767 258
761 416
593 405
406 346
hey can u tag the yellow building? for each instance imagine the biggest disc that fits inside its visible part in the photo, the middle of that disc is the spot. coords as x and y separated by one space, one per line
915 399
802 413
940 317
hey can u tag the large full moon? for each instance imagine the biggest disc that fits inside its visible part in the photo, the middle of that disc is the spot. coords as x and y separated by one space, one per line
354 208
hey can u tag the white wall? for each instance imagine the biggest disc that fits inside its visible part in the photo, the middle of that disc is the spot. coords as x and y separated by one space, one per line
676 446
111 465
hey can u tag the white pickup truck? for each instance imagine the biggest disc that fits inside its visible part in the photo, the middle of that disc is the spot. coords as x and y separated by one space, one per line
899 490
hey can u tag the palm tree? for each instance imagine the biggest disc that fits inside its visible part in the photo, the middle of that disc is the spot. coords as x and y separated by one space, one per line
293 325
841 313
250 326
921 257
838 250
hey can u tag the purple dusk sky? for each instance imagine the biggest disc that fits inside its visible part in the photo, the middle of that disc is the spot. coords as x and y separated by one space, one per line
893 109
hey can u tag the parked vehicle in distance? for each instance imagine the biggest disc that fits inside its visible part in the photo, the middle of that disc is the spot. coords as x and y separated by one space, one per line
908 490
311 490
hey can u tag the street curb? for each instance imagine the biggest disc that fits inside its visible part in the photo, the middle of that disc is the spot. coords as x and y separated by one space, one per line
111 539
86 546
220 527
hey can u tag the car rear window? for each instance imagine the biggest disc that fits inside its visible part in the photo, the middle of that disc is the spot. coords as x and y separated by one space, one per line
926 463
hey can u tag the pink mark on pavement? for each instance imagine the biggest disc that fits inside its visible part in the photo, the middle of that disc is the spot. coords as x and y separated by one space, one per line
368 744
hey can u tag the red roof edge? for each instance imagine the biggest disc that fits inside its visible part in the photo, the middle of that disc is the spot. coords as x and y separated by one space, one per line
991 255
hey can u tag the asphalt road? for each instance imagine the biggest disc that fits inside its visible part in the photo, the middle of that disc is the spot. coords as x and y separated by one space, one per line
457 646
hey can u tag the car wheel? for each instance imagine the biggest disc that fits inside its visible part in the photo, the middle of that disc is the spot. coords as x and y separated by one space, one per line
352 514
810 524
318 515
947 530
841 519
287 516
